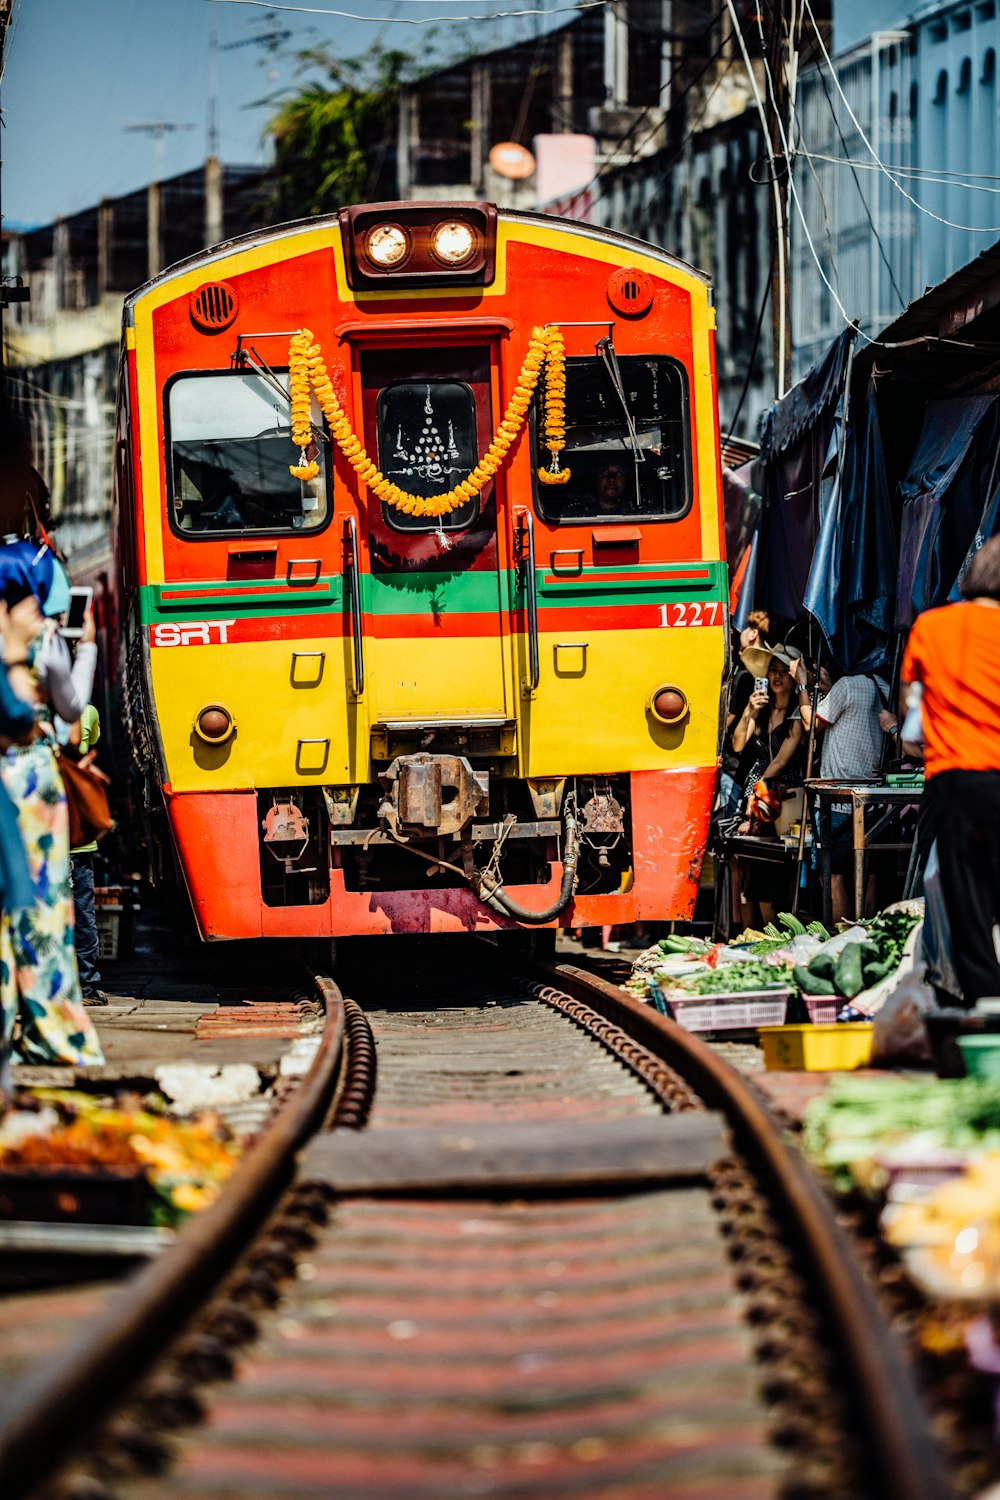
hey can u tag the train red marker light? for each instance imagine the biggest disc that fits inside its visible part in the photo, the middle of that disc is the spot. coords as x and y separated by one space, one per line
214 724
668 704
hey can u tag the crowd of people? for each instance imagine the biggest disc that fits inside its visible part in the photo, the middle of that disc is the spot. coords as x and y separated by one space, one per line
45 715
953 657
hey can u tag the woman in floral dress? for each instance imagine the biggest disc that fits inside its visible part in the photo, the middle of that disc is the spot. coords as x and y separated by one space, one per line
38 975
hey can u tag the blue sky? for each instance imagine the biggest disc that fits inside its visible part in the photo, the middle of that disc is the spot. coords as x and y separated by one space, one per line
78 72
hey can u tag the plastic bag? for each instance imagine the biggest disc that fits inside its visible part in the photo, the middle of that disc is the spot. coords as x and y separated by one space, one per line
899 1034
936 935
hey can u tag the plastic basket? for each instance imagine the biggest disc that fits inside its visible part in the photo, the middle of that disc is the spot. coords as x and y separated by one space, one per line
741 1011
823 1009
815 1048
110 921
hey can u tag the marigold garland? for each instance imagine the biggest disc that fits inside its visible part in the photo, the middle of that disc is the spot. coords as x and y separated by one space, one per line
308 368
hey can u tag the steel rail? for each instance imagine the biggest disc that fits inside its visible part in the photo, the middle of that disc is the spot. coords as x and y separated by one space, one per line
70 1395
909 1461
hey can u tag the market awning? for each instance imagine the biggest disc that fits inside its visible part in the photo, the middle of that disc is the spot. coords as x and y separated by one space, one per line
851 587
950 483
795 444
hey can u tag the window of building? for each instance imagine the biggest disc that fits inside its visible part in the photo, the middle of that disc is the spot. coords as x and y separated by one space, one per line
964 76
607 484
989 66
427 445
941 89
230 444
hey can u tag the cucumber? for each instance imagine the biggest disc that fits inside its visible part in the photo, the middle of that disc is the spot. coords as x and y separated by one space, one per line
848 976
811 984
823 965
875 973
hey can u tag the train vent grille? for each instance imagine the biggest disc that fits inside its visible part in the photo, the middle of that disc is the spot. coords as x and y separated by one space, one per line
214 306
630 292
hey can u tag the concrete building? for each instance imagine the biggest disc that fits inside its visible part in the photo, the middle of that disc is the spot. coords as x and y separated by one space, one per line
61 347
921 197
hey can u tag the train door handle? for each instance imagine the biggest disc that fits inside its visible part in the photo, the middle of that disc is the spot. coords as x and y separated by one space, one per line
567 570
315 675
303 580
351 535
526 526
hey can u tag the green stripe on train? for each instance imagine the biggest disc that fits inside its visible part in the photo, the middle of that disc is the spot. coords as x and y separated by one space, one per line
434 593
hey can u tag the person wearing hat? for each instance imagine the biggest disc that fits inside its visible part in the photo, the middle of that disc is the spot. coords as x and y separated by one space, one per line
768 738
39 982
730 791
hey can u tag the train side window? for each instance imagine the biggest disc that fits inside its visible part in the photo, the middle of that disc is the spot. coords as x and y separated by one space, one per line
230 444
427 445
606 483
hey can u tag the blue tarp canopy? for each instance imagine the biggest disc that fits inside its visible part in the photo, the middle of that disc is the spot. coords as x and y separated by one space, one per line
795 441
852 581
949 495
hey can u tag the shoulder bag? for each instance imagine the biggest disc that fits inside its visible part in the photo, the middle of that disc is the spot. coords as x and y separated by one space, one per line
87 799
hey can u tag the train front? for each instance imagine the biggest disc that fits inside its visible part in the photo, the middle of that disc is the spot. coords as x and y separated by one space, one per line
425 608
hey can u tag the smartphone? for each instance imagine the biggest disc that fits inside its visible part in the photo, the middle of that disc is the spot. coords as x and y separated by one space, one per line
761 685
76 614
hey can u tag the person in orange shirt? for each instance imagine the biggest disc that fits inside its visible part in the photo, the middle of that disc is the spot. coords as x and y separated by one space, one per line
954 652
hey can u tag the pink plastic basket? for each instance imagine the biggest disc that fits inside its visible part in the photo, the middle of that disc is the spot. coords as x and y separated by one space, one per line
736 1012
823 1008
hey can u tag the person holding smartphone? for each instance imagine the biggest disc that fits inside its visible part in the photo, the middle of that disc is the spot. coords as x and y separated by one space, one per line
768 737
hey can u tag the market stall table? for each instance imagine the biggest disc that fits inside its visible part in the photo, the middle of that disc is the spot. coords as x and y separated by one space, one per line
863 798
772 851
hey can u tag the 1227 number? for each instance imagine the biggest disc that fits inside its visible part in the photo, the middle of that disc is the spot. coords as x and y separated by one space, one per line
691 613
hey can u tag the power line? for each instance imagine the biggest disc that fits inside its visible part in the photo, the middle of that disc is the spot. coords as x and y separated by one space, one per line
942 175
748 379
857 184
779 221
921 208
350 15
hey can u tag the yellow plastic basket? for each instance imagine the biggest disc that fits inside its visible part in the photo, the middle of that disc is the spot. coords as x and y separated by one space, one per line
811 1048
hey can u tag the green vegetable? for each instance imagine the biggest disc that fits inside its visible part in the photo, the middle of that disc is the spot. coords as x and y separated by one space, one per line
810 982
791 923
847 975
745 974
875 973
816 929
773 932
822 966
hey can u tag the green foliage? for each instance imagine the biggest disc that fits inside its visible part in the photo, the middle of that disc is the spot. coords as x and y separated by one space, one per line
333 135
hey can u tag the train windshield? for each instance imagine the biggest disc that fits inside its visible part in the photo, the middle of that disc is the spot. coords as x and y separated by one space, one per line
622 466
230 447
427 445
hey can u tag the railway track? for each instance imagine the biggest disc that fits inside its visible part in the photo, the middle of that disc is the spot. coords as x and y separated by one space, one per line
545 1267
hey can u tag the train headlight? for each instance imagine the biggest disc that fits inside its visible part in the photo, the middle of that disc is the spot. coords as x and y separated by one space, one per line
453 243
214 724
387 246
667 703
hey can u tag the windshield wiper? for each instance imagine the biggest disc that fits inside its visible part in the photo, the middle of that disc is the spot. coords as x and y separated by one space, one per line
609 359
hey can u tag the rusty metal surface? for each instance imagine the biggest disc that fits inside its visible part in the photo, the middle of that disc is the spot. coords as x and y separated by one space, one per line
62 1398
613 1347
904 1455
496 1346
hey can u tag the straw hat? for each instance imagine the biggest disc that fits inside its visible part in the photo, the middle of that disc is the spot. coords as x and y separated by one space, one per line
757 659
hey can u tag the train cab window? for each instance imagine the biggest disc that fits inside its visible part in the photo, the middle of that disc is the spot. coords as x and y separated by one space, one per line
427 445
607 482
230 445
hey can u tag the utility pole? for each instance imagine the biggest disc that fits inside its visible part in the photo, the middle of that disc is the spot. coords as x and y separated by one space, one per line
781 293
11 287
